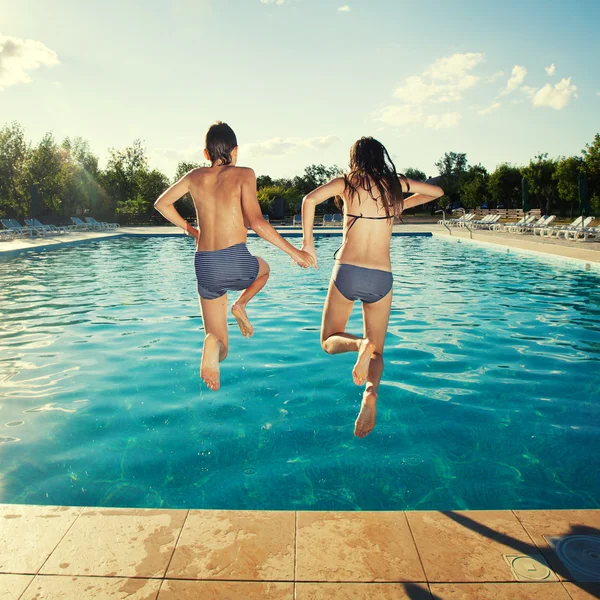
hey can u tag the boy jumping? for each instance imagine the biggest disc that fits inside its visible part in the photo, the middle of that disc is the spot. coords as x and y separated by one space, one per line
226 205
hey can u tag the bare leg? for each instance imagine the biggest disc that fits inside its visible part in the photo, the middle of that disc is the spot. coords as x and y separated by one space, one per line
214 316
239 307
376 317
335 341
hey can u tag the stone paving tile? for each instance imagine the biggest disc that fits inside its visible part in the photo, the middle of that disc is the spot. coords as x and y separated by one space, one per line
113 542
236 545
52 587
583 591
468 546
28 535
12 586
555 523
498 591
225 590
353 547
362 591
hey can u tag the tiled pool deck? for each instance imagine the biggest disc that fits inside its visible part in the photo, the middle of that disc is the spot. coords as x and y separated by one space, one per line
65 553
49 553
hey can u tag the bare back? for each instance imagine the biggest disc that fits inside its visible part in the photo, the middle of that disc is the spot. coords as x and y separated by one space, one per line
367 242
217 196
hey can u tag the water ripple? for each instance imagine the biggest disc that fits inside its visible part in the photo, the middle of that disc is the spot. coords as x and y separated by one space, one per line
489 397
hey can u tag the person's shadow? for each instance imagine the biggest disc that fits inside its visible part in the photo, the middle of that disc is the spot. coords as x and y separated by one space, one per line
416 592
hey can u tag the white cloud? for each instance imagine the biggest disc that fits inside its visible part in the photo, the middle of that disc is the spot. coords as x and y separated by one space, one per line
486 111
277 146
551 69
557 96
407 114
57 84
18 57
443 81
455 67
279 2
496 75
273 147
343 9
516 79
444 121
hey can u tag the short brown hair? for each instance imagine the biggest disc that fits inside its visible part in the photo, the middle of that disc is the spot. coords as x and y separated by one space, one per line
220 141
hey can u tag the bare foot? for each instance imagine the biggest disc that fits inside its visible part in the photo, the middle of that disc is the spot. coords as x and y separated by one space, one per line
361 368
366 418
209 368
239 312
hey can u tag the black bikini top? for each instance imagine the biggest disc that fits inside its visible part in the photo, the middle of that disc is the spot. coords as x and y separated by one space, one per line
361 216
356 218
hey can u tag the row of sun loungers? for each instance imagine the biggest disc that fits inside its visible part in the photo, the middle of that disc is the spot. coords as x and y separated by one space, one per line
579 230
14 229
328 220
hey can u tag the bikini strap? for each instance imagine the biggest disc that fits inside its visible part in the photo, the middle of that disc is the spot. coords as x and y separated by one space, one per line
356 218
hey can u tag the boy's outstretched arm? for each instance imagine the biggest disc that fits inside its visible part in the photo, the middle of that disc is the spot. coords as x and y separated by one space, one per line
256 222
422 193
165 205
334 188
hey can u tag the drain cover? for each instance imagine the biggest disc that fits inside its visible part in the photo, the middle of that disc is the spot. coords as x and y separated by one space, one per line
529 567
580 554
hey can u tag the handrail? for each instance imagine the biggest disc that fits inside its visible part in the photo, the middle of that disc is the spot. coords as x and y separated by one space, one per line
444 220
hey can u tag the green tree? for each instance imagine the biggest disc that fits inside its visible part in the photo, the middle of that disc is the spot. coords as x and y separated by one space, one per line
452 168
121 178
504 186
267 196
474 187
566 174
46 168
591 158
14 153
184 167
314 176
414 174
542 184
263 181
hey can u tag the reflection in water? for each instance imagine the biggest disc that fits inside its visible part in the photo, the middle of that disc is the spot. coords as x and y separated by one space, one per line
489 397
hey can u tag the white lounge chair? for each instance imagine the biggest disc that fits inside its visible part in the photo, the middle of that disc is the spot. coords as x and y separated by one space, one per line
528 224
485 219
55 228
486 223
297 220
80 225
509 226
105 225
583 233
24 231
587 221
337 219
327 219
49 229
6 234
553 231
537 229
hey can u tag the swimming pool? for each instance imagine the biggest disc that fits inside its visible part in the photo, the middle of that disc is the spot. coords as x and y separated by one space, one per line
490 397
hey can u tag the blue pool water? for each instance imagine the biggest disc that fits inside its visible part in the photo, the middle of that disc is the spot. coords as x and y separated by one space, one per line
490 396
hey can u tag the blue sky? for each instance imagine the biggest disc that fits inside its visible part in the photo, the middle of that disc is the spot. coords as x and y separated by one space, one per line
300 80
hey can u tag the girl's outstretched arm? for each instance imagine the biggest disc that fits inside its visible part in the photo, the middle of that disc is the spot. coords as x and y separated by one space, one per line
422 193
334 188
255 220
165 205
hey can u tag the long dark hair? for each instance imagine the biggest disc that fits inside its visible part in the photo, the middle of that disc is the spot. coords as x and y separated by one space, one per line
372 169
